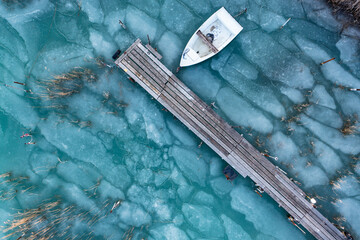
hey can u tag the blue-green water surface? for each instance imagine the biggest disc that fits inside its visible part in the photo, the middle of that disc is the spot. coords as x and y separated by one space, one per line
110 163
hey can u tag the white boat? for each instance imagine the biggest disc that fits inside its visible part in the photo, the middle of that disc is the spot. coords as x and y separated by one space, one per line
211 37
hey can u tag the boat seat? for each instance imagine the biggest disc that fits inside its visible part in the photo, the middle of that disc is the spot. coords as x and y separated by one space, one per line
207 42
192 54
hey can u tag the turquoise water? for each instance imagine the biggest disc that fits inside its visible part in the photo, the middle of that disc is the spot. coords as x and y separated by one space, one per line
100 139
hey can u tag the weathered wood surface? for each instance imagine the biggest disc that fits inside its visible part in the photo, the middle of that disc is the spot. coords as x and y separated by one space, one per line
207 42
143 65
153 51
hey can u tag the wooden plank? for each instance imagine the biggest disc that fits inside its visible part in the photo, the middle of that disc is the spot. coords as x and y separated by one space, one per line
240 168
325 223
193 112
139 67
150 65
269 169
189 100
292 185
174 96
127 62
192 125
210 113
253 170
329 225
154 59
316 228
201 113
259 179
125 66
153 51
269 172
207 42
271 180
191 106
135 44
189 94
184 111
141 64
187 109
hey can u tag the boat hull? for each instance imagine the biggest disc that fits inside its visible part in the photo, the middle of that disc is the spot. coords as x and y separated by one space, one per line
210 38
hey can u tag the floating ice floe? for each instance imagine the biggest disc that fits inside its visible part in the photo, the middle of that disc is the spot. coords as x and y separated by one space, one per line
285 149
322 14
192 166
260 95
203 219
275 61
204 198
201 81
293 94
325 115
132 214
13 66
33 10
349 101
112 21
170 47
71 29
313 176
142 109
78 173
43 162
331 70
168 232
177 17
234 107
349 49
260 212
74 194
12 41
270 21
233 230
346 144
216 166
107 190
221 185
237 65
348 186
181 132
59 59
151 7
219 60
18 108
329 160
346 207
140 24
102 46
200 6
93 10
320 96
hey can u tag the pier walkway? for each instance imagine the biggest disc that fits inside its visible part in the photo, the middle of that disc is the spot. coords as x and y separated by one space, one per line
142 64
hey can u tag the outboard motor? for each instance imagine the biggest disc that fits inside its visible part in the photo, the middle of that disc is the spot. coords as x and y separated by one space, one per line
116 54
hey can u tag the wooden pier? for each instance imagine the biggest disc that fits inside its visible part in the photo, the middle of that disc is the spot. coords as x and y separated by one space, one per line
142 64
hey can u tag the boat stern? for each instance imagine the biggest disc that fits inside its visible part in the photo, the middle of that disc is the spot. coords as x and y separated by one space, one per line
189 57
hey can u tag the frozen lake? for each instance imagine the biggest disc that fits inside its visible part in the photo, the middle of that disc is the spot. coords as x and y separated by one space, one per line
110 163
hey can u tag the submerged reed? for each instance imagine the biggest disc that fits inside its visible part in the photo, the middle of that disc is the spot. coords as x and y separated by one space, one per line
349 6
349 127
69 83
